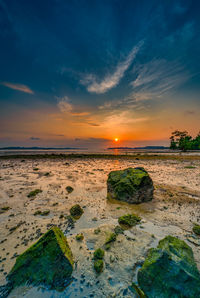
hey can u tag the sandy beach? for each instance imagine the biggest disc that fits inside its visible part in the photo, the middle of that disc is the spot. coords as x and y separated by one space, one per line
176 205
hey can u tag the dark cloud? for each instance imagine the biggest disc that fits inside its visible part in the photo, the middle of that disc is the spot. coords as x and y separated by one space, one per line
34 139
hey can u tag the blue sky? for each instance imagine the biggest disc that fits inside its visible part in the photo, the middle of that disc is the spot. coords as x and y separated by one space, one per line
80 73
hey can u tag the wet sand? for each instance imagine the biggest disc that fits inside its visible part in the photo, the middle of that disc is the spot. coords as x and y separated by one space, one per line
176 205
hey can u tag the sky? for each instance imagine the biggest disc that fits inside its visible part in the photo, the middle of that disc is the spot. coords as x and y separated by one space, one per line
81 73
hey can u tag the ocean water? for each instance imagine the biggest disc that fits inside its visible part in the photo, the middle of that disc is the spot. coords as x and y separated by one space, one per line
6 152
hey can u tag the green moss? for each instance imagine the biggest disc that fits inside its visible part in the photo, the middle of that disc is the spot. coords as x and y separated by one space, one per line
132 185
5 208
47 174
136 290
196 229
34 193
190 167
97 231
98 266
76 211
49 262
107 246
118 230
69 189
35 169
99 253
129 220
43 213
111 238
79 237
173 265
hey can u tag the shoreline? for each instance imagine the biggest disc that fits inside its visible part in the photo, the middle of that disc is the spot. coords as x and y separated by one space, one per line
136 156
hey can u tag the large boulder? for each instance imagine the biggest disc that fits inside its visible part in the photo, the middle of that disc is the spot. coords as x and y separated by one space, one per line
170 271
132 185
49 262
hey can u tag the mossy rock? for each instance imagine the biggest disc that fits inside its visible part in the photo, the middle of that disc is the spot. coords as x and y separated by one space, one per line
79 237
129 220
118 230
48 262
69 189
33 193
170 271
42 213
111 238
99 253
76 211
132 185
98 266
196 229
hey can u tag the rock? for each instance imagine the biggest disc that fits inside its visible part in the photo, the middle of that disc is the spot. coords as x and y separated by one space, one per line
98 266
196 229
129 220
48 262
99 253
33 193
79 237
111 238
76 211
132 185
170 271
69 189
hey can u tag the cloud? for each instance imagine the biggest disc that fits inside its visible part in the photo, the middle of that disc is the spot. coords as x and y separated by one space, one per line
122 119
153 80
19 87
189 113
111 80
157 78
34 139
64 104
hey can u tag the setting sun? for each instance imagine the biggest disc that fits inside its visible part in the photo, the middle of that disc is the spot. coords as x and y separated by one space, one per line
116 139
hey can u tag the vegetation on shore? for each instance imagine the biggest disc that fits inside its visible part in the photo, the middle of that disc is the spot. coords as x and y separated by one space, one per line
183 141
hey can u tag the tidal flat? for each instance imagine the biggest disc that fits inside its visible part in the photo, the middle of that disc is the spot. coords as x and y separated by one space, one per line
34 196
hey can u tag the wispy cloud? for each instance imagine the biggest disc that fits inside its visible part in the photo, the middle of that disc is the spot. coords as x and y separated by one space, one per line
153 80
19 87
95 85
157 78
65 106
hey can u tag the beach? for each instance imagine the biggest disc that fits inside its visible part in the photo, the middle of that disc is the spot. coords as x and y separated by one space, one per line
173 210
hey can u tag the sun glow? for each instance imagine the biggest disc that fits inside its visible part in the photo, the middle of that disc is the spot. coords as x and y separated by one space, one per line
116 139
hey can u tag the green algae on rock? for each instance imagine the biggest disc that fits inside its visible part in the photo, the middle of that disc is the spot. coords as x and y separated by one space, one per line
129 220
111 238
69 189
196 229
132 185
98 266
99 253
79 237
76 211
136 290
33 193
170 271
48 262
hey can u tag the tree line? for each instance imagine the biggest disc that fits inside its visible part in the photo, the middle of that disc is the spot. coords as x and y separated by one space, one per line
183 141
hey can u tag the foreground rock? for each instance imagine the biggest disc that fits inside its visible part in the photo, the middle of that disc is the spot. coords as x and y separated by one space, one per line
49 262
132 185
170 271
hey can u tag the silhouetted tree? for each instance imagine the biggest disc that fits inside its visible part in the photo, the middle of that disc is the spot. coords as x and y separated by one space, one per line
183 141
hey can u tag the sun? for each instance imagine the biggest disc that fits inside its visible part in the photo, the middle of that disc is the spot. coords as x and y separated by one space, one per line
116 139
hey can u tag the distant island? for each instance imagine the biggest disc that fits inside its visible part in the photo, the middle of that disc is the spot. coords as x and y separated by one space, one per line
146 147
40 148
